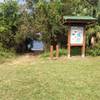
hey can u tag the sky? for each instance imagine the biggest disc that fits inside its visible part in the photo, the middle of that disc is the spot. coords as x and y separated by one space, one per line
1 0
20 1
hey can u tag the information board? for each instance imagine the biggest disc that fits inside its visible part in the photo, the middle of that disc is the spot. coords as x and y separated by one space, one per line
76 37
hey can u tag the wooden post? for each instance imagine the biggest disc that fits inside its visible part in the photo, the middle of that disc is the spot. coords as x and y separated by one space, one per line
69 47
57 51
83 47
51 51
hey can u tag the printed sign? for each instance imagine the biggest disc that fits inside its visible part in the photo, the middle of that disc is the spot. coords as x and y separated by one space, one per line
76 35
37 46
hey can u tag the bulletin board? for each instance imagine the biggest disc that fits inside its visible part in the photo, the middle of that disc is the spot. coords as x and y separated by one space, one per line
76 35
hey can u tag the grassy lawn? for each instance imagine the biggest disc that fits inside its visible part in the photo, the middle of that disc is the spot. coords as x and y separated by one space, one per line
35 78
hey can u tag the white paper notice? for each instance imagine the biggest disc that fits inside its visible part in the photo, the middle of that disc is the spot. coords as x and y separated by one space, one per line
76 35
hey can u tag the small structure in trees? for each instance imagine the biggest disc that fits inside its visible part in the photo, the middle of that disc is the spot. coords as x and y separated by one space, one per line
76 31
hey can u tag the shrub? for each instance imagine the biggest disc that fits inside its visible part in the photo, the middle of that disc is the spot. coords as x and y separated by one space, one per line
62 52
94 51
5 53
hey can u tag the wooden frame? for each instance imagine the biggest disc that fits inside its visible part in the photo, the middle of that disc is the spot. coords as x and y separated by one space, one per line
83 47
75 45
80 21
69 47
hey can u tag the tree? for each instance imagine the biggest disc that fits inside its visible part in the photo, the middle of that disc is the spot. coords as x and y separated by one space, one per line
48 19
94 4
44 16
8 24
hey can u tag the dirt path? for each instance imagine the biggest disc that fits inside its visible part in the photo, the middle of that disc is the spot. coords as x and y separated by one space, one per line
27 59
22 60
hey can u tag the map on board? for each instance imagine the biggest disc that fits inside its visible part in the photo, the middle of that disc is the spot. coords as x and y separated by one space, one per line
76 35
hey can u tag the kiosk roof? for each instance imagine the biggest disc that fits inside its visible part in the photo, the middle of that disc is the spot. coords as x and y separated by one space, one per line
79 19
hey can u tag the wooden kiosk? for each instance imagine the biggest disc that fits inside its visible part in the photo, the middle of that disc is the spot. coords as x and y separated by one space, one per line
76 31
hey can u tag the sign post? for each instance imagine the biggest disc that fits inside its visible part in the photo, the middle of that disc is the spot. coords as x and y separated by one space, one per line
76 31
76 37
69 47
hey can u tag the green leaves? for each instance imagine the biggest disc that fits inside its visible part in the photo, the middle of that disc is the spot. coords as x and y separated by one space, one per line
8 22
17 22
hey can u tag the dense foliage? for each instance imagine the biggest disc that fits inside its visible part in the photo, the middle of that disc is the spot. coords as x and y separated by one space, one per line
18 22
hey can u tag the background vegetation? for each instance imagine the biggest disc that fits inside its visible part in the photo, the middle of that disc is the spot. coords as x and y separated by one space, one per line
18 22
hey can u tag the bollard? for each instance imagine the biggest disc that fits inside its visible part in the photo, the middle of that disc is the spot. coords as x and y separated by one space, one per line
57 51
51 51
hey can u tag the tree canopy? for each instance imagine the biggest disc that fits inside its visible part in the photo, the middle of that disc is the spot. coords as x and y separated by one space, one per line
21 21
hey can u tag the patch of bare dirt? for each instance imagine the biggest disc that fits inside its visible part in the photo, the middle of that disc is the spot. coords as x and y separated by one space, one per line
23 59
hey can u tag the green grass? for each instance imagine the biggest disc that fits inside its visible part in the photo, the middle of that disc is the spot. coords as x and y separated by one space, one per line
6 54
34 78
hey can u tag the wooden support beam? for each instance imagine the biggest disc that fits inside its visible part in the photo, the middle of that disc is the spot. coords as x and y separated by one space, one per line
69 46
83 47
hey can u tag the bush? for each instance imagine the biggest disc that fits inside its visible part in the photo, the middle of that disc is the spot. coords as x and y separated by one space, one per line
62 52
94 51
5 53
